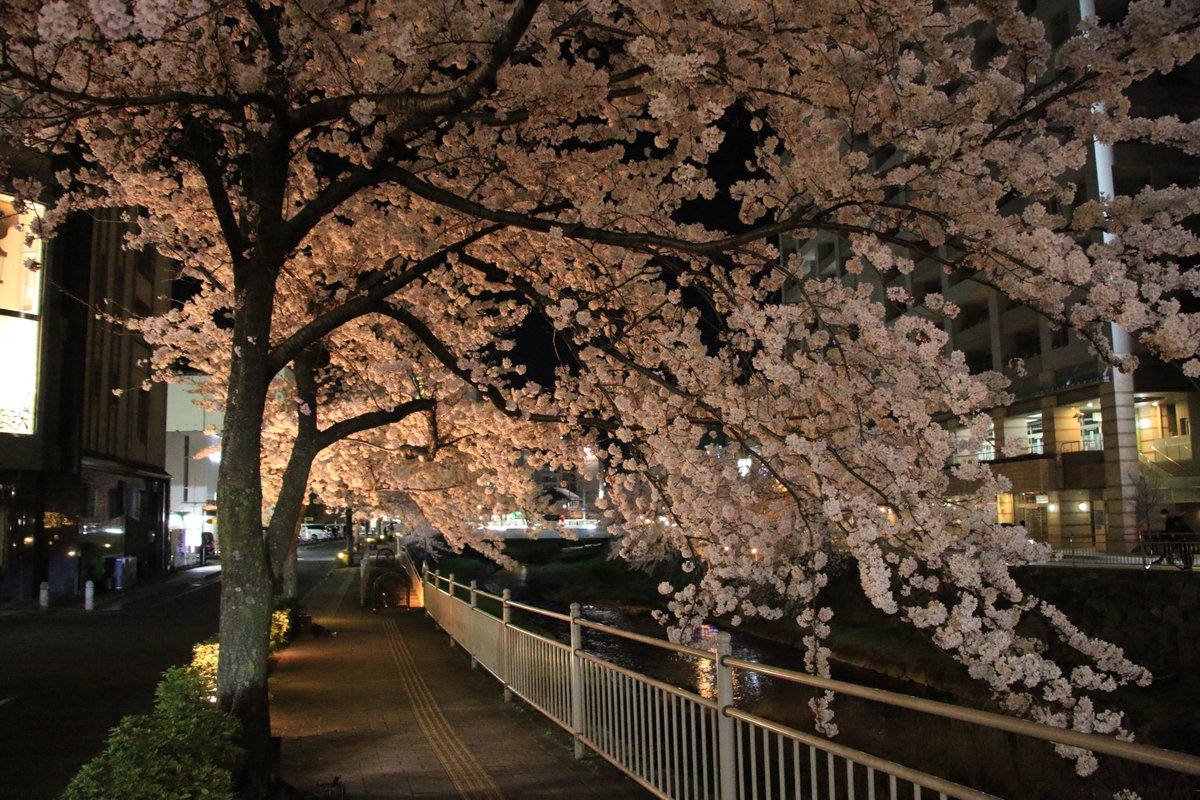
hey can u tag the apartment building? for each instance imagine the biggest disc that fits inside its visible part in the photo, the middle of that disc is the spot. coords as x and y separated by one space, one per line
1093 454
82 485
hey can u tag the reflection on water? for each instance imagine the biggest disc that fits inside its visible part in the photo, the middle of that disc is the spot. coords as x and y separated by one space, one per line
694 673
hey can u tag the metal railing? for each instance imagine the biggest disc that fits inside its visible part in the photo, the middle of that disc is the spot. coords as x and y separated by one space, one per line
684 745
1148 550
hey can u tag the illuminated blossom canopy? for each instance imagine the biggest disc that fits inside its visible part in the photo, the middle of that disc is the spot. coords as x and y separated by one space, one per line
392 189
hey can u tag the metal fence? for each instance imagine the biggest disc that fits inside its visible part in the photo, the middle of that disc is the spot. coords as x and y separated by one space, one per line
1150 550
684 746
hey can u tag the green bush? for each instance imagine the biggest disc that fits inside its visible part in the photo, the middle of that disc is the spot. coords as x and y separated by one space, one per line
182 750
281 627
204 664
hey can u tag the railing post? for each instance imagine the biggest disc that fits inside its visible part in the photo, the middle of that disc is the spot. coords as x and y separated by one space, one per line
576 680
432 582
362 581
726 744
451 590
474 605
505 619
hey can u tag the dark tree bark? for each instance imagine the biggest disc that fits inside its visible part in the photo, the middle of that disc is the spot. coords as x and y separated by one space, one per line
247 590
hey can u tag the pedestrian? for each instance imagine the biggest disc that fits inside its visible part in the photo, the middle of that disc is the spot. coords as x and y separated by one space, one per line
1157 547
1179 541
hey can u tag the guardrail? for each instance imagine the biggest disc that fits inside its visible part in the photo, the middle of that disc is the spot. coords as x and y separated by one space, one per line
1150 550
682 745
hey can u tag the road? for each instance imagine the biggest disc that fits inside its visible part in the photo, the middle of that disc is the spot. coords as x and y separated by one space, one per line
67 677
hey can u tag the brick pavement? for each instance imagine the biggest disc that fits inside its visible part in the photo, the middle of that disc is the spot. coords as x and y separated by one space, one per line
393 710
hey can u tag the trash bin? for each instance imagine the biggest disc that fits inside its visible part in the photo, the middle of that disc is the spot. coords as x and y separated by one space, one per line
124 574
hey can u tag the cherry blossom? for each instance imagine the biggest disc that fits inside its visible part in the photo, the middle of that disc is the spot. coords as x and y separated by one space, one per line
376 200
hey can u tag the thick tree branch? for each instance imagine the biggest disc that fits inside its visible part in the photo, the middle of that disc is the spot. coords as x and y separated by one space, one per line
641 242
368 302
120 102
373 419
288 505
419 108
448 360
205 160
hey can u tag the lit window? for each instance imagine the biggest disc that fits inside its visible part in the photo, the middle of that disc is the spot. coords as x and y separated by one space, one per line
20 306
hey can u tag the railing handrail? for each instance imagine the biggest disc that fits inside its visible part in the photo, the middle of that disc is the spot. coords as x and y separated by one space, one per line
646 679
489 595
675 647
695 652
538 636
542 611
1133 751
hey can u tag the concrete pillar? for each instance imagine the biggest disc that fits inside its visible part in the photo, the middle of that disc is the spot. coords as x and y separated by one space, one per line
1049 432
996 340
998 433
1193 414
1121 464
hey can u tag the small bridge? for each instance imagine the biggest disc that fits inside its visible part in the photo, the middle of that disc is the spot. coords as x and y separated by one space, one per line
388 578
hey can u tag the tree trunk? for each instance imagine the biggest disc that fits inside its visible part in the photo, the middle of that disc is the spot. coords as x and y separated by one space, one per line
246 594
289 507
246 603
291 574
293 489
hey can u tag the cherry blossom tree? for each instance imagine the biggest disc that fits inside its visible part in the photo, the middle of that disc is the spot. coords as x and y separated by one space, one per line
429 176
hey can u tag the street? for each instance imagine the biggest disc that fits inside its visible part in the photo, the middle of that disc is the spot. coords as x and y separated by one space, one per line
67 677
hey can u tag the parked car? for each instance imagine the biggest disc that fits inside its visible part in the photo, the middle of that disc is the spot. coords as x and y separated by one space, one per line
312 532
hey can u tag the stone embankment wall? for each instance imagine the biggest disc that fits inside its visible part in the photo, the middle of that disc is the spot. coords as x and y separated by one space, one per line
1154 615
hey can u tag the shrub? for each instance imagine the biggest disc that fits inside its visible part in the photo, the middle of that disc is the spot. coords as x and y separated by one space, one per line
185 749
281 626
204 664
284 622
182 750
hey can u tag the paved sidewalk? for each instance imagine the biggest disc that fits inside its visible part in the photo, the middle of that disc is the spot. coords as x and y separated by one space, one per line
158 588
392 709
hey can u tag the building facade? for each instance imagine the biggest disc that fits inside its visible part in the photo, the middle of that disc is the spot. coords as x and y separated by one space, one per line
1093 454
82 486
193 458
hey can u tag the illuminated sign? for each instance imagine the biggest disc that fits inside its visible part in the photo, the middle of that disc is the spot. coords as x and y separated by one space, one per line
20 314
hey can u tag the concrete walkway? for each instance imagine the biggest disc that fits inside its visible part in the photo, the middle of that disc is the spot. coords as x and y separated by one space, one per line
386 704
